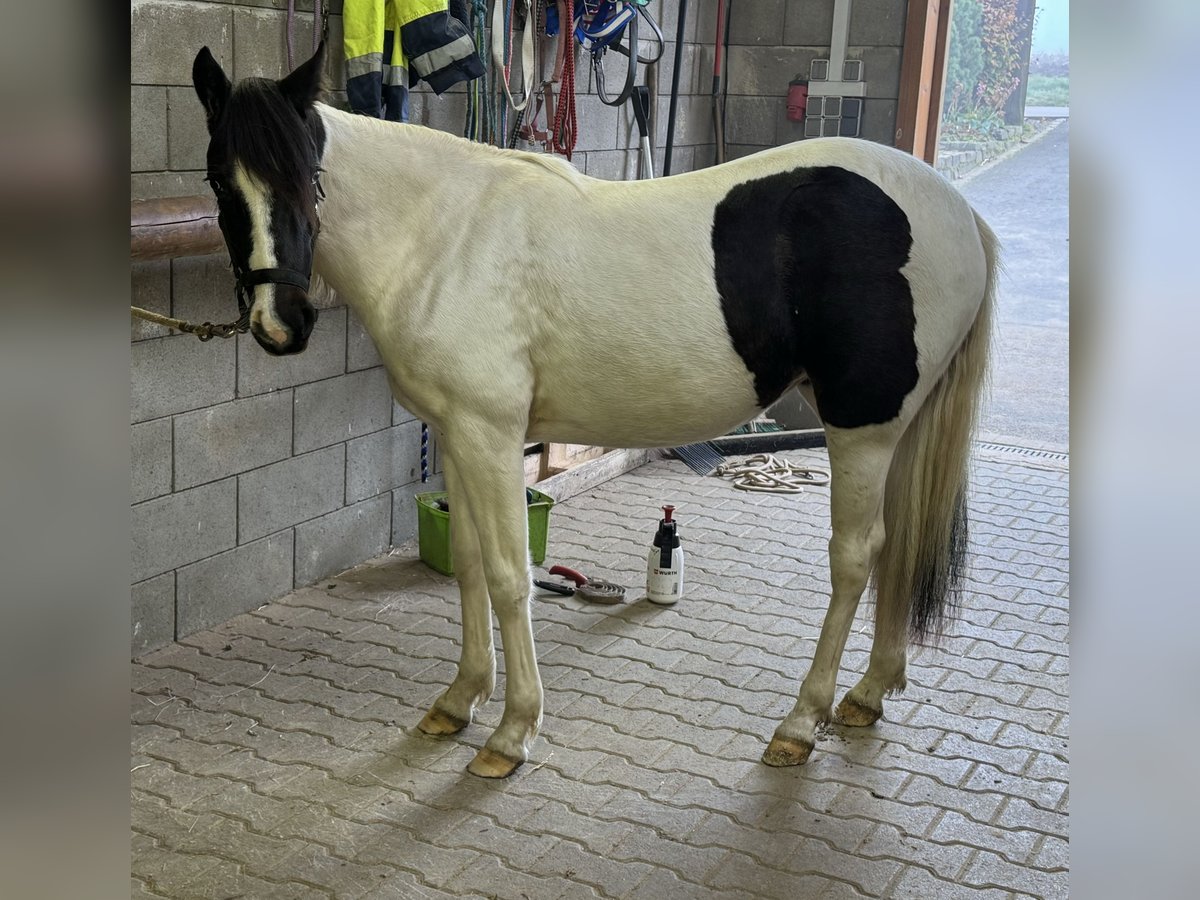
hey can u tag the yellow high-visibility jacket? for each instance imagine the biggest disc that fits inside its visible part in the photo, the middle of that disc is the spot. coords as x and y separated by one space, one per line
391 44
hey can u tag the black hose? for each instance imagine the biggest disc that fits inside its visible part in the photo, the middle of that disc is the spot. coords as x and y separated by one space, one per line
674 88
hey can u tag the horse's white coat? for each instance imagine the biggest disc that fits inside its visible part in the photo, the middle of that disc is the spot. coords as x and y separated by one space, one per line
512 298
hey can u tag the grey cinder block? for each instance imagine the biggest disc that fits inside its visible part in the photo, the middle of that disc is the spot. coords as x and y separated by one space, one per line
183 527
752 120
404 508
164 38
760 22
150 459
881 70
150 288
385 460
400 415
152 185
152 617
339 409
229 438
259 47
808 24
147 128
342 539
878 23
222 586
176 374
324 357
203 289
613 165
187 133
360 349
766 71
879 121
295 490
597 123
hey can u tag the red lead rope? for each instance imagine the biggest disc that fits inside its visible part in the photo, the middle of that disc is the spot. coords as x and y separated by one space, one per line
564 130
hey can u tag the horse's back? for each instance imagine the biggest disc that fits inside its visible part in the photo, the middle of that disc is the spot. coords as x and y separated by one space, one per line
839 260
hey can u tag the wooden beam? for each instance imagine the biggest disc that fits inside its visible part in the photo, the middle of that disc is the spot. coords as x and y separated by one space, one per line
174 227
922 73
937 84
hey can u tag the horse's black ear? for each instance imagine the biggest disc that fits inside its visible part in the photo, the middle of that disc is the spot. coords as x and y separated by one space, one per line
212 87
303 86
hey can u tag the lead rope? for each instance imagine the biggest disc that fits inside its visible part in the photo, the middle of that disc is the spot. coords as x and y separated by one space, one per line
424 453
320 26
565 127
768 474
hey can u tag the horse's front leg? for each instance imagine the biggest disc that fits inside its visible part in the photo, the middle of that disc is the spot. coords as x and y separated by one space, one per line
487 463
476 677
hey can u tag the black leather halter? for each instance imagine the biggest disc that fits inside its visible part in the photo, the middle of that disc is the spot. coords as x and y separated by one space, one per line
247 279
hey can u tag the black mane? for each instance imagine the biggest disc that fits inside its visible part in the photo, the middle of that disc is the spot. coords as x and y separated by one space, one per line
264 131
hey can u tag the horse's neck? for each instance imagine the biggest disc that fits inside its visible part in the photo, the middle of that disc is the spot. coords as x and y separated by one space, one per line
388 188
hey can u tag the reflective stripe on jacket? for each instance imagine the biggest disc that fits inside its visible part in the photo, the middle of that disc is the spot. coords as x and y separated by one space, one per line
433 46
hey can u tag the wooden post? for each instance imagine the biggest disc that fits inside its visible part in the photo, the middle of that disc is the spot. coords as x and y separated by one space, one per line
173 227
922 77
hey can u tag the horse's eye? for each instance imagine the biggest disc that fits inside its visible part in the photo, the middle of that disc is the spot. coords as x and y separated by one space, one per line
215 183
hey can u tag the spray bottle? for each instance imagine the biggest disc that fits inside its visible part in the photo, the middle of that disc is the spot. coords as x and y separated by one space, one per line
664 565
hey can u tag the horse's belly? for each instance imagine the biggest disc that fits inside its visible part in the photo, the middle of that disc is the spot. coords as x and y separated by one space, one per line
618 411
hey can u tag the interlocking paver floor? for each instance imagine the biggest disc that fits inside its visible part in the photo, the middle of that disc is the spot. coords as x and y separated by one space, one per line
277 755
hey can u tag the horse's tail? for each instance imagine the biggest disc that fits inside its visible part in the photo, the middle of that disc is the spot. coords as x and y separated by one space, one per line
922 563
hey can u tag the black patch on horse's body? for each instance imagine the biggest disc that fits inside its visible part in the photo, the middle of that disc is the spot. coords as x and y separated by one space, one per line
808 268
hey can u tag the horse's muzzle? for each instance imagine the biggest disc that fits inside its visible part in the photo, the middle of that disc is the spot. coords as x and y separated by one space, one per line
285 330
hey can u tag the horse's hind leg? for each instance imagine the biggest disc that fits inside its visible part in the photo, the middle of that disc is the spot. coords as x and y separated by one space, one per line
859 459
863 703
476 677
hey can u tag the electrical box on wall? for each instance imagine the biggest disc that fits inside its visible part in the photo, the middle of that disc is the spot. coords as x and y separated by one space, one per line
835 87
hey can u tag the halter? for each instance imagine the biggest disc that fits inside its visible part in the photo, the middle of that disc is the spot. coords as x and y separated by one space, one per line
248 279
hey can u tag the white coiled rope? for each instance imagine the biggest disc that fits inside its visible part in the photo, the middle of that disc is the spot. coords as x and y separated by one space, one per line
768 474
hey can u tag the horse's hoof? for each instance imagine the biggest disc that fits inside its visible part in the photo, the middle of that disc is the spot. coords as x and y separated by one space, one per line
787 752
439 722
851 712
490 764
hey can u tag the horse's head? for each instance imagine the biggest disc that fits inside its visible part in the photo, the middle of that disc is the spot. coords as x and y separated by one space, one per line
264 157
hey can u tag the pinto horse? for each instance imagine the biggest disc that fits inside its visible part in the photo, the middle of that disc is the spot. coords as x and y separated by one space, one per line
844 267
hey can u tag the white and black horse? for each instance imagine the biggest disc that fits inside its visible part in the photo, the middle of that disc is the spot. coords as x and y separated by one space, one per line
845 267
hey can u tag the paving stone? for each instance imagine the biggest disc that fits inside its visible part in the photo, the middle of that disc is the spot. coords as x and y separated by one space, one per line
290 761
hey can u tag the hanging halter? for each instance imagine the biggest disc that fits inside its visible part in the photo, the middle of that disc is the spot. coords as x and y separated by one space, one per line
600 26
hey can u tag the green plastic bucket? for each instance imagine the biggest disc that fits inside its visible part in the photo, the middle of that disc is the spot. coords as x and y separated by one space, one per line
433 529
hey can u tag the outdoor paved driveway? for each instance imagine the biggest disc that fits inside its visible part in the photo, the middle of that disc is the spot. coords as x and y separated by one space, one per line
1025 199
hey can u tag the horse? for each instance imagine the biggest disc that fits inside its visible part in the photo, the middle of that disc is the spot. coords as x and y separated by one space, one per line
846 268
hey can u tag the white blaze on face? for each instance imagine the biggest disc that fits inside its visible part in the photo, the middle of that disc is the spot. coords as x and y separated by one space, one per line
262 254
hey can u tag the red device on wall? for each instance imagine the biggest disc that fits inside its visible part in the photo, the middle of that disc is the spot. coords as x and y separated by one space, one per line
797 100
